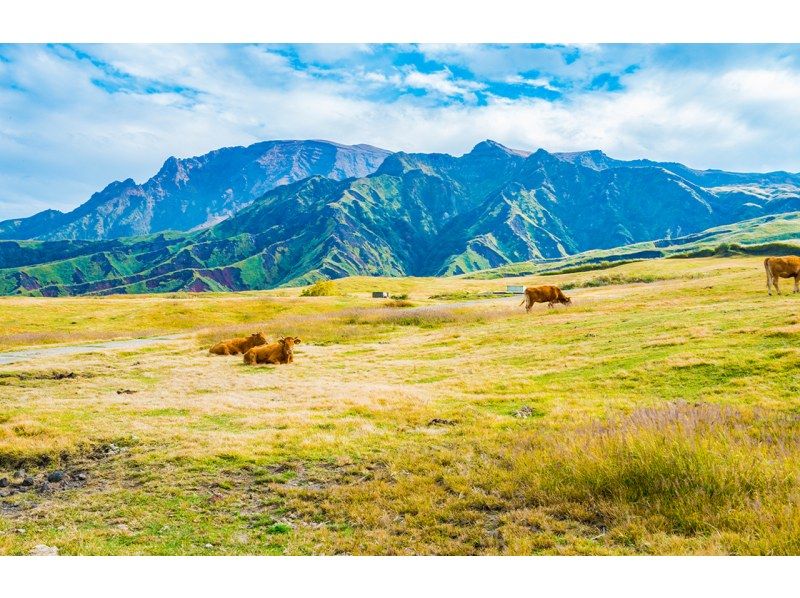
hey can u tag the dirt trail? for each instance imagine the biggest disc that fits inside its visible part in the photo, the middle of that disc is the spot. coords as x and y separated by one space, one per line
8 357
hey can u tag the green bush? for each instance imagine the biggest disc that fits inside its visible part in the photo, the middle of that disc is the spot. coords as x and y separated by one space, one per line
321 288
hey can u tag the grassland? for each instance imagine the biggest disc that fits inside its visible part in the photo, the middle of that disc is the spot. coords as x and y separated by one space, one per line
655 417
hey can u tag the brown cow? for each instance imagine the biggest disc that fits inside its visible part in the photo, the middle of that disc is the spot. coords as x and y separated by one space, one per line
280 352
235 346
544 294
787 266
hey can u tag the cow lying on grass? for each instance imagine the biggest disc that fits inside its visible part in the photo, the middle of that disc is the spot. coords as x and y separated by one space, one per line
782 267
544 294
279 352
235 346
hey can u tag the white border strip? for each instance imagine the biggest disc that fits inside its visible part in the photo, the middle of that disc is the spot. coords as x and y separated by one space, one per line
588 21
654 577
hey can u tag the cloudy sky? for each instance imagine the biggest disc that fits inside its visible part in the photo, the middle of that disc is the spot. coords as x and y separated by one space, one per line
75 117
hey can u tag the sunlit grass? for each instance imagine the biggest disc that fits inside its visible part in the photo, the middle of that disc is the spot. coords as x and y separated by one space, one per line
652 417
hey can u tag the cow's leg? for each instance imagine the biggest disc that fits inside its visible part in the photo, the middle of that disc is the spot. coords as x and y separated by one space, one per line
550 305
775 280
796 282
769 283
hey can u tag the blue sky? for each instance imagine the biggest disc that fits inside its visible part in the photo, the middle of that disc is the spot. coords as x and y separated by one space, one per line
75 117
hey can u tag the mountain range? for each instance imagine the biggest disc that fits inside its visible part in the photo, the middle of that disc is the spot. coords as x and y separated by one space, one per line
326 211
196 192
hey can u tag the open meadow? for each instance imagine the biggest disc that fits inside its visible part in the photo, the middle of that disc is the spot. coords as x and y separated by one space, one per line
659 414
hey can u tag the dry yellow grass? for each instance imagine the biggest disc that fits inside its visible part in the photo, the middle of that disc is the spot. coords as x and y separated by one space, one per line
655 418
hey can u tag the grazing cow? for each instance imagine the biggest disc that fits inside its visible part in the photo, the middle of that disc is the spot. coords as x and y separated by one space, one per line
787 266
235 346
280 352
545 294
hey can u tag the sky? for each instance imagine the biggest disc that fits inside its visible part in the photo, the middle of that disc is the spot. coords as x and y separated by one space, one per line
74 118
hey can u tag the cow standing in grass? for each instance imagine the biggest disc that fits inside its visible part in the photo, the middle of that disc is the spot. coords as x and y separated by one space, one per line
787 266
280 352
235 346
544 294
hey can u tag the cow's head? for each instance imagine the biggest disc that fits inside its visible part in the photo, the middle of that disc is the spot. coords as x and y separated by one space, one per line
289 342
566 300
257 339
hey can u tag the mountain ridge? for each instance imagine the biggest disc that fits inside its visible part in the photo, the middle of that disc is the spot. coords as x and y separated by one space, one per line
189 193
416 214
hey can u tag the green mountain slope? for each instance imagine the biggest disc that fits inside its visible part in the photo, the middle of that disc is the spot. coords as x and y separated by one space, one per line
768 235
421 214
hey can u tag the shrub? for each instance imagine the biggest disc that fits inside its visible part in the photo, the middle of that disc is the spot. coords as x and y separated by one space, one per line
398 303
321 288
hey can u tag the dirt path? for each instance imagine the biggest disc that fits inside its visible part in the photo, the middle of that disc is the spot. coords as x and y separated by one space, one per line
8 357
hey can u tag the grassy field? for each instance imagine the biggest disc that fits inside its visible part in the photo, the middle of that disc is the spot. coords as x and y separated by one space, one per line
660 414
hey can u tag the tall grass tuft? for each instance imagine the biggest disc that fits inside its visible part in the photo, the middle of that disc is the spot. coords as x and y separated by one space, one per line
681 469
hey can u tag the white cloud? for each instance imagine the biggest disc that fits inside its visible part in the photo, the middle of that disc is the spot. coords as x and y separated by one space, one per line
542 82
62 137
773 86
442 82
